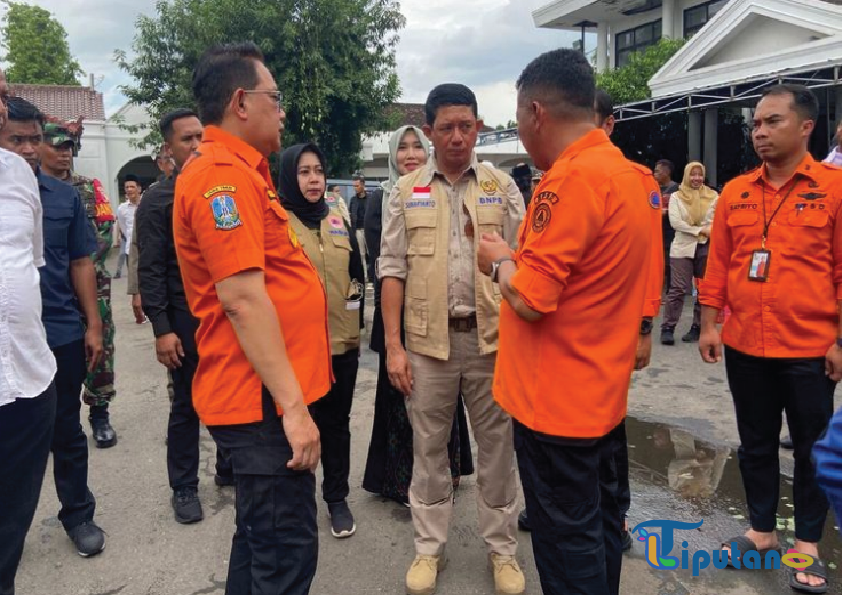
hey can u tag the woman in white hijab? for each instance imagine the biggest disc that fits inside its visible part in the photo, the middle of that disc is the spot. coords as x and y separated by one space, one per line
388 469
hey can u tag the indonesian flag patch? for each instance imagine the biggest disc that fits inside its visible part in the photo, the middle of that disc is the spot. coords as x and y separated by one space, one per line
421 192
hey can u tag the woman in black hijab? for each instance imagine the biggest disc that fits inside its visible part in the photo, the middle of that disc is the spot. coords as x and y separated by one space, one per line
326 238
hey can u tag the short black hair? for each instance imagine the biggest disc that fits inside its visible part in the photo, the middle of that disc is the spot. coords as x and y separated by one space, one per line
563 80
131 178
222 70
667 164
21 110
359 177
165 125
603 104
449 94
804 101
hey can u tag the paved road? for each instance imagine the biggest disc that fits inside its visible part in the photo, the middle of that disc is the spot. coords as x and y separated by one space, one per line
677 407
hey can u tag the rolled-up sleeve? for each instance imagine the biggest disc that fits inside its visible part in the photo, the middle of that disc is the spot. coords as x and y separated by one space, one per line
392 261
561 232
713 289
515 208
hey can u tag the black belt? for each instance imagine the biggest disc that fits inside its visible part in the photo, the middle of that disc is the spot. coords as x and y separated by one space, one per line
463 324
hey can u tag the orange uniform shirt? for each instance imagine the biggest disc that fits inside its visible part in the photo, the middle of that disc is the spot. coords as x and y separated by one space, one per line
583 259
226 220
655 278
794 313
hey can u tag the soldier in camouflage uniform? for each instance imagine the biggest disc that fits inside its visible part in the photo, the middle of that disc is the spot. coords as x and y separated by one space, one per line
99 384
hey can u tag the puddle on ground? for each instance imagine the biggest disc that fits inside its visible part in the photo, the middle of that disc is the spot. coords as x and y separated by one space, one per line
676 476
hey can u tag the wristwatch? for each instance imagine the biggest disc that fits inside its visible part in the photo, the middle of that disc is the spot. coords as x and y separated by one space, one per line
646 326
495 268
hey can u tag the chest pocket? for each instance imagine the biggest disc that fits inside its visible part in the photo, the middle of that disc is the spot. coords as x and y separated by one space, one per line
490 219
808 219
341 241
278 235
739 219
57 221
421 232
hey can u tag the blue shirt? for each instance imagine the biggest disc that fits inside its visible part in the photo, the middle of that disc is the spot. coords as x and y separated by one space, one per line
828 456
68 236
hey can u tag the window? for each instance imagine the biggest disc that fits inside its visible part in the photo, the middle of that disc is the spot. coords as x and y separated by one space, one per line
697 16
635 40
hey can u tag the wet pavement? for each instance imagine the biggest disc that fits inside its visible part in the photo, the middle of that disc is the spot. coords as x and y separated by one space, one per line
682 439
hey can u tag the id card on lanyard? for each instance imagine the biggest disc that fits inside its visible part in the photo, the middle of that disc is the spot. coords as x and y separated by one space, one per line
761 258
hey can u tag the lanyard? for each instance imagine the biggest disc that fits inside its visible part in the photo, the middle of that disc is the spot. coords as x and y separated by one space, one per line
767 224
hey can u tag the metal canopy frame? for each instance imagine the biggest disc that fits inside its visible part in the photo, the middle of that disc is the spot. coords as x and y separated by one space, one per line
734 94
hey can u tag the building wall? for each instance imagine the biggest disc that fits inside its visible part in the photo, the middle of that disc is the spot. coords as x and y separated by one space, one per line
752 38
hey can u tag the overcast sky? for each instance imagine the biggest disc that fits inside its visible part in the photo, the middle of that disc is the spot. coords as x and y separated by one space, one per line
482 43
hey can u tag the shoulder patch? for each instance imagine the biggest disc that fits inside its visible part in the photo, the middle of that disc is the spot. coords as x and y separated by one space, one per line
219 189
655 199
225 212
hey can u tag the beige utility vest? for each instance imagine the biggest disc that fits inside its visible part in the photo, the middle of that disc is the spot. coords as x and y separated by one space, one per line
330 252
427 234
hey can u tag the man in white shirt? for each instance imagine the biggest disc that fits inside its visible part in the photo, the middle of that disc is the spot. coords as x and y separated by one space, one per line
27 366
125 219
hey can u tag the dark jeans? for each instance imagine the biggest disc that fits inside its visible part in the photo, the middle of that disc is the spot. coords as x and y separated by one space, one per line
183 426
275 548
571 490
70 445
761 389
26 431
621 460
683 272
332 414
668 235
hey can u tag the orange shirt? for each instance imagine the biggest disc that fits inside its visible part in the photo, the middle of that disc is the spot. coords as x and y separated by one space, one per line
226 220
794 313
655 280
583 261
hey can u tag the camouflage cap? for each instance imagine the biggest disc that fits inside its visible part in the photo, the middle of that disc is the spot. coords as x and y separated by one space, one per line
57 135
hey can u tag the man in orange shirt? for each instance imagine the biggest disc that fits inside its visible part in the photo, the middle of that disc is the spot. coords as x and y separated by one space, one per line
264 353
582 248
776 261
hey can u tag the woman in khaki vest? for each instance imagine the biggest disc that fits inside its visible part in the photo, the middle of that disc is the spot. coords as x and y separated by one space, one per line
388 469
325 236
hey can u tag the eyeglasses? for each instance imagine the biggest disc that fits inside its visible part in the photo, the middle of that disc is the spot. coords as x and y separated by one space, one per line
277 95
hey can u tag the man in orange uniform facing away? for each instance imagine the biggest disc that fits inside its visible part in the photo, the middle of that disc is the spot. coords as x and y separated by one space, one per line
583 256
263 345
776 261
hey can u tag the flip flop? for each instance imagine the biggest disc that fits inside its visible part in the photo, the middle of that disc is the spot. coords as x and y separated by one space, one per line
817 569
745 544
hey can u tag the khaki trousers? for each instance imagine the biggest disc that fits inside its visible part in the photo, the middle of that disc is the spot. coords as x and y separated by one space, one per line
431 408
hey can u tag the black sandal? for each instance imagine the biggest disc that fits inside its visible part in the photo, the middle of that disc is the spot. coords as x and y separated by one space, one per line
816 569
745 544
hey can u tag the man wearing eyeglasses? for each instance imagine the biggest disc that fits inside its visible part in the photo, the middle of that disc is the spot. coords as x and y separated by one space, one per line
264 353
434 221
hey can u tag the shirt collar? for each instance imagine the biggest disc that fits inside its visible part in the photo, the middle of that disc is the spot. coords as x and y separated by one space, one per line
235 144
432 169
592 139
807 169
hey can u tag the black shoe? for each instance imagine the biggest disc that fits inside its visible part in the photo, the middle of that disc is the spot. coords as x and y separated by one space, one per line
523 522
668 337
627 541
104 435
693 335
341 521
221 480
88 539
786 443
186 505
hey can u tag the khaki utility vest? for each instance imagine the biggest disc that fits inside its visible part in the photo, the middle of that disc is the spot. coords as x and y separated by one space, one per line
329 251
428 239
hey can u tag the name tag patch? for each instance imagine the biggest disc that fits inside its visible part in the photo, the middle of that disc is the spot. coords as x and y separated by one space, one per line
420 203
338 233
491 200
219 189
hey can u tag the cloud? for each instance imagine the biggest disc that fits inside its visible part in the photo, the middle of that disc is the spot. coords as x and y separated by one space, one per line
481 43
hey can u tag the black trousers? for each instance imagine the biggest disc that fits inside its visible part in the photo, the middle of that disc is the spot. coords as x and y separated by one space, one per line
70 445
571 490
275 548
183 426
621 442
26 431
332 414
761 389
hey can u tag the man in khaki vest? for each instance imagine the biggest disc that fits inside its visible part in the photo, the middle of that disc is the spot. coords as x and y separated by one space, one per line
435 218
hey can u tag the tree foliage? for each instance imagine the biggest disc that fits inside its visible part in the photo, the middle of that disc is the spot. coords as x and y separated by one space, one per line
334 61
35 46
631 82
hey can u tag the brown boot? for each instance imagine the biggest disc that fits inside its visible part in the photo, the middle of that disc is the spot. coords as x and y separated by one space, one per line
508 578
421 577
